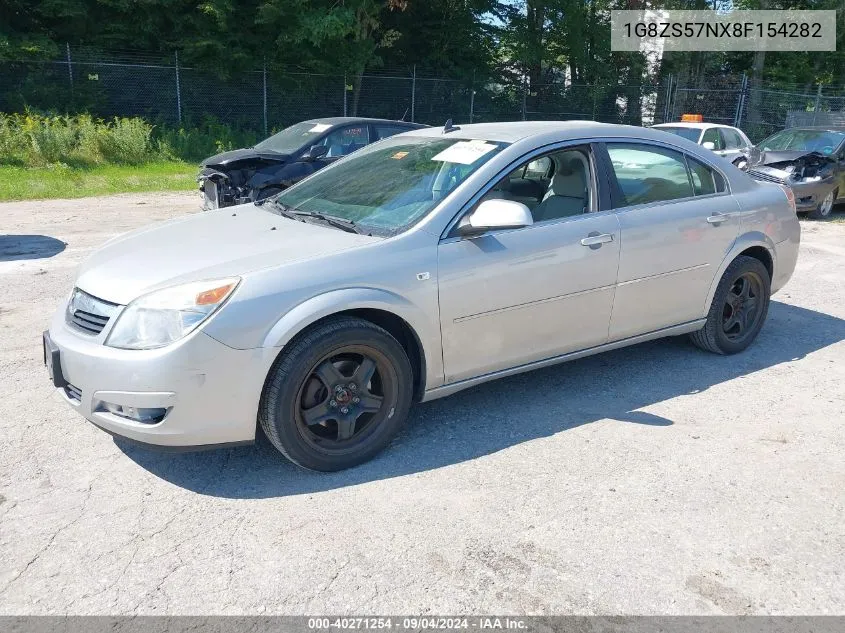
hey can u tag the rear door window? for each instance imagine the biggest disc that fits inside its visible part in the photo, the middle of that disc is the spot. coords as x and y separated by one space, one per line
386 131
646 173
703 178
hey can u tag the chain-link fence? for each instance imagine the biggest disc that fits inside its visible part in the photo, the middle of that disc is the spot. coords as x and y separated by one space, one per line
268 98
758 108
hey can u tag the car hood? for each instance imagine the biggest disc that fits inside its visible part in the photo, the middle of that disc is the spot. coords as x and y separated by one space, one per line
783 157
227 159
210 245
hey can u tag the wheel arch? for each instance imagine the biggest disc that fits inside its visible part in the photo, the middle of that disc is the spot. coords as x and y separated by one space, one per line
754 244
402 319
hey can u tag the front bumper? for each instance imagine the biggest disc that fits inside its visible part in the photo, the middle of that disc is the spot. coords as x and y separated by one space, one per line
211 391
808 196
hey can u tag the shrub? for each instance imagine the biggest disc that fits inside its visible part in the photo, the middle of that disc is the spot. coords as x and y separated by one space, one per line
35 140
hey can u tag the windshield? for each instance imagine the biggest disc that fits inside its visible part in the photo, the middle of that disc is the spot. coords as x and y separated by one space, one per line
292 138
389 186
822 141
689 133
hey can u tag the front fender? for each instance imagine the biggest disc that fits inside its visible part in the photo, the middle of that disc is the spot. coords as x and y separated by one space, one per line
308 312
742 243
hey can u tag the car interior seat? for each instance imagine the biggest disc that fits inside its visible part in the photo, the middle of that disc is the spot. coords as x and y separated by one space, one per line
335 150
567 194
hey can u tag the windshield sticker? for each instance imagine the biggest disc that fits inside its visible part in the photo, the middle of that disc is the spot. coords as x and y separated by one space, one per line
464 152
320 127
399 155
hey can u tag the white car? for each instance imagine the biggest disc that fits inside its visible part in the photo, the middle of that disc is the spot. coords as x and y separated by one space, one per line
728 142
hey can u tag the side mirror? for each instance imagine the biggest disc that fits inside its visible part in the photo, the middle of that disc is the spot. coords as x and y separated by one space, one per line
709 145
315 152
495 214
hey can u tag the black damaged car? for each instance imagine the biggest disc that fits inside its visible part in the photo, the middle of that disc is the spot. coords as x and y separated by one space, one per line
255 173
811 160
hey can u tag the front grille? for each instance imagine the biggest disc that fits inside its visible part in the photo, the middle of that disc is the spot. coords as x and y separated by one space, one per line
89 322
74 393
765 177
88 313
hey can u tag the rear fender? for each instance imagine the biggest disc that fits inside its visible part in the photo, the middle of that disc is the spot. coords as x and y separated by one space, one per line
743 242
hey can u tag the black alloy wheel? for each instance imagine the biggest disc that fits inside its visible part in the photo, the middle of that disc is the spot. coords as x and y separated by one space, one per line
738 309
743 307
337 394
344 398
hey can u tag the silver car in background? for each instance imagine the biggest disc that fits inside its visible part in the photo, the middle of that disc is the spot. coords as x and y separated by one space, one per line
418 266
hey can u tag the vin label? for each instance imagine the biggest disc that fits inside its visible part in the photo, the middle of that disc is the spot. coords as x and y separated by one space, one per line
659 30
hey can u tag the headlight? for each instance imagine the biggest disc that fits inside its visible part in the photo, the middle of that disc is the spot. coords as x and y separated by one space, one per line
164 316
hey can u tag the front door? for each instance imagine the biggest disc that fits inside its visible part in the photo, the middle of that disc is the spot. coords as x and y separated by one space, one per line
518 296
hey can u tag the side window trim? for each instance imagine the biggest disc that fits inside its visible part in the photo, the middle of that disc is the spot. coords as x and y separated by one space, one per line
617 197
597 199
625 139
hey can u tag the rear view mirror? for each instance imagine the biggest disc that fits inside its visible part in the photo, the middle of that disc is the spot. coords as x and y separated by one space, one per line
315 152
709 145
496 214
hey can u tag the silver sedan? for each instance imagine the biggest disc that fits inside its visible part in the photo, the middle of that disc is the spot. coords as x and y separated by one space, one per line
421 265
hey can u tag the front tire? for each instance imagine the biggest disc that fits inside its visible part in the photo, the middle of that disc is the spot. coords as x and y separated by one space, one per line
739 308
337 395
823 211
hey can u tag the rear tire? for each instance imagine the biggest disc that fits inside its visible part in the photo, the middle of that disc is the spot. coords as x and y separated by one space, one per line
739 308
337 395
825 208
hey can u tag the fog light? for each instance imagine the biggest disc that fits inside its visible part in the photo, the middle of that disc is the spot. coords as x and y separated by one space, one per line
144 415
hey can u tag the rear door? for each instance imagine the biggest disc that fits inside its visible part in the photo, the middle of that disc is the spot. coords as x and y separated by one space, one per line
678 222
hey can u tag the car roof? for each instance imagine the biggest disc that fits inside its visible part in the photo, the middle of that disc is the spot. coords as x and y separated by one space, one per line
343 120
699 126
816 128
513 131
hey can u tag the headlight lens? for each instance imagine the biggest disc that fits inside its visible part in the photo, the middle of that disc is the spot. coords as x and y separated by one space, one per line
165 316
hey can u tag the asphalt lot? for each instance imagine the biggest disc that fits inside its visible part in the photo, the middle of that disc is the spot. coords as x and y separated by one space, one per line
656 479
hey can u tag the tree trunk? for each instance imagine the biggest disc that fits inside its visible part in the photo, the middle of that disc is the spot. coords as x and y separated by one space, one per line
755 99
356 91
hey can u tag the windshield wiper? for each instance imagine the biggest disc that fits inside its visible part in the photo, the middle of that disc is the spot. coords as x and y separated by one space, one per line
282 209
292 213
341 223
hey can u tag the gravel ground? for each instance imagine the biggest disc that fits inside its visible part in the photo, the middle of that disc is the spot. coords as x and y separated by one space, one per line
656 479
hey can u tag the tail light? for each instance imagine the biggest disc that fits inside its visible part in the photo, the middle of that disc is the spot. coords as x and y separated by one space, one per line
790 197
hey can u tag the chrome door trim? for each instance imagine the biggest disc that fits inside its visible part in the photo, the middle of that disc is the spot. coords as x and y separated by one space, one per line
530 304
666 274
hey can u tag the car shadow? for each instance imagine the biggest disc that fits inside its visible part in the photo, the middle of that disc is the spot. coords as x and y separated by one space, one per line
17 247
503 413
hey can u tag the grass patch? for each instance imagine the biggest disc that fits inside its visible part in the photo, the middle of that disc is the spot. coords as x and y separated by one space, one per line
61 181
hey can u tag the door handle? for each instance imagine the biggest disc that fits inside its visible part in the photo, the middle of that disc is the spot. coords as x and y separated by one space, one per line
719 218
597 240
